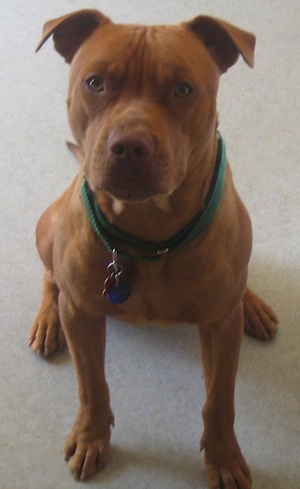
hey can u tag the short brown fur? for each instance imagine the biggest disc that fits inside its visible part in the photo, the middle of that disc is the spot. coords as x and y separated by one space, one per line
147 144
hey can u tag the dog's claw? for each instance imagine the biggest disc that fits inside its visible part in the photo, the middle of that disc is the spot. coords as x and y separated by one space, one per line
83 476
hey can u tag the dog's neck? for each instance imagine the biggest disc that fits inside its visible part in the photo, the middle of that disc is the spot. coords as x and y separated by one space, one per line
153 220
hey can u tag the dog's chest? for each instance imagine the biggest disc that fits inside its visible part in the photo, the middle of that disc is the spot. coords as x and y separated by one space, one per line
157 297
156 308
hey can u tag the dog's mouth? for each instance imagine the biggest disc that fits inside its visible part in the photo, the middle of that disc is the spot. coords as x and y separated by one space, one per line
132 188
132 165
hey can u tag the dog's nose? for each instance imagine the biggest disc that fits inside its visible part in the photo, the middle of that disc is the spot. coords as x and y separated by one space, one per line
133 145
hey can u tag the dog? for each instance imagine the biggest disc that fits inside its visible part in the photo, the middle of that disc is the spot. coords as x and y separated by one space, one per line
151 230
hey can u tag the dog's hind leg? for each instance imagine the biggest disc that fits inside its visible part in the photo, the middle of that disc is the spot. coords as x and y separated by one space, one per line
46 335
260 320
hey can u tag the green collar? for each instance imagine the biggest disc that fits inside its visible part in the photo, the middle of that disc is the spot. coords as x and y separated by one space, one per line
111 236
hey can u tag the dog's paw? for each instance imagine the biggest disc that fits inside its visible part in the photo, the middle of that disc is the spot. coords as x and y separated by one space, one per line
260 320
87 458
226 468
87 448
234 476
46 335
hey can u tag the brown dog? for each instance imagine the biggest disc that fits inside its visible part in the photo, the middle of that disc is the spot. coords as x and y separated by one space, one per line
152 219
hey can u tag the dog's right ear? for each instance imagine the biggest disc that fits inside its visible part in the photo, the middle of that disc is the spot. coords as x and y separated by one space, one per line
71 30
224 41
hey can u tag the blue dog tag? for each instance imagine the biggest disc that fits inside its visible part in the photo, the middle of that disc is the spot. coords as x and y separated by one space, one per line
118 294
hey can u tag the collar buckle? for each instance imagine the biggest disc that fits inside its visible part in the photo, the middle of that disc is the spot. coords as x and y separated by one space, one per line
163 252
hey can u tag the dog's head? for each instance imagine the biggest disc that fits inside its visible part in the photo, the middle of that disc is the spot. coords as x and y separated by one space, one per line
142 99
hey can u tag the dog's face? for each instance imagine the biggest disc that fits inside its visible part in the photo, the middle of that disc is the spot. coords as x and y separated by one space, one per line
142 100
141 104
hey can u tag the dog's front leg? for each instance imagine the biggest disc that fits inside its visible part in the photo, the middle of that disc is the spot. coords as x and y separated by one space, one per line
226 466
87 446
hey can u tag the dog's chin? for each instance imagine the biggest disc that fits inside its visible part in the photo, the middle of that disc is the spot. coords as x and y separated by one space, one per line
132 192
130 196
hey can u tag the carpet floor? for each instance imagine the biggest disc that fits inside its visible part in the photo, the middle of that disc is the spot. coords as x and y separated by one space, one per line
155 377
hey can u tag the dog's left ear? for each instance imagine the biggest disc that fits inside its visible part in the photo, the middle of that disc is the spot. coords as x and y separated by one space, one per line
224 41
71 30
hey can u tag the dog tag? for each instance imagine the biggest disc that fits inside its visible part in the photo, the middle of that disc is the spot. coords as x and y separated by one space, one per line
112 289
119 293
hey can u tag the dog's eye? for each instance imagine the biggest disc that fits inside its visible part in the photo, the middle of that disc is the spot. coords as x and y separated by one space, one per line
95 83
183 90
